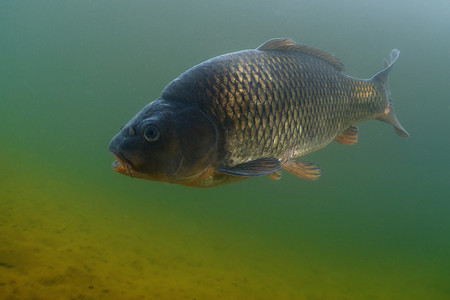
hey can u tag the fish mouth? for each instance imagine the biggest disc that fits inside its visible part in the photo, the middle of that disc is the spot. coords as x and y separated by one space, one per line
121 164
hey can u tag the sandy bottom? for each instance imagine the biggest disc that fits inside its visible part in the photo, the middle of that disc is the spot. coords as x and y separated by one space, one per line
51 248
59 241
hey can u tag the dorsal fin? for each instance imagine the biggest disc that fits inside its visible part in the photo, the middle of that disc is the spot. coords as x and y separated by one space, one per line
288 44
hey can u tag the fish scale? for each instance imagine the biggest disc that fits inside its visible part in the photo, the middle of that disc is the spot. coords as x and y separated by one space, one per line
297 102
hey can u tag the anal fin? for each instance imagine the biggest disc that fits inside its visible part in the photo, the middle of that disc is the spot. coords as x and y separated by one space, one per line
258 167
302 169
349 136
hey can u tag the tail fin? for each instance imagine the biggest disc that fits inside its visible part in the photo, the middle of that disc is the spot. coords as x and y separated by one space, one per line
382 77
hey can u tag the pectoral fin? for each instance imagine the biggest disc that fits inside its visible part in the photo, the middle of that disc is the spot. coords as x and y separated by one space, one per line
258 167
349 136
302 169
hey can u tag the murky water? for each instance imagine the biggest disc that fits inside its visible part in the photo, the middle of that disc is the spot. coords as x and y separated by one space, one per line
375 226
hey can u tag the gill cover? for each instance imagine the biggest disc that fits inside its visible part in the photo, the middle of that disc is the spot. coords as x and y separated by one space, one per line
197 137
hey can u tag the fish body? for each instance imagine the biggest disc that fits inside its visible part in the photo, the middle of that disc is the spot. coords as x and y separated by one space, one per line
251 113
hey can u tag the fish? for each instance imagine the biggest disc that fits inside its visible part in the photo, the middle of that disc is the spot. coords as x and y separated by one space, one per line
251 113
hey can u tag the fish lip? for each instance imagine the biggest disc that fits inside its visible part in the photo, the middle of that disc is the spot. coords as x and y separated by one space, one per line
122 163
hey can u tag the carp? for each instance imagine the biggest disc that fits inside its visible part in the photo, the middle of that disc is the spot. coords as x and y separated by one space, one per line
251 113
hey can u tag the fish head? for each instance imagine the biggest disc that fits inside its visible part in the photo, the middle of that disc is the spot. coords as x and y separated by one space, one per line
166 141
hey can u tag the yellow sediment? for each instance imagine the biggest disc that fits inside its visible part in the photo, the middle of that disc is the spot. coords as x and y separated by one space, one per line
60 240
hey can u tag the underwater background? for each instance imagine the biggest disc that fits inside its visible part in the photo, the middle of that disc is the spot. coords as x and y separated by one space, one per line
375 226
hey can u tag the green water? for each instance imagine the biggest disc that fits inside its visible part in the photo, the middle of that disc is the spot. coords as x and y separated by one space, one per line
375 226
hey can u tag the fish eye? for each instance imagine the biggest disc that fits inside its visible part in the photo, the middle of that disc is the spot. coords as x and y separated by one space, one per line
151 133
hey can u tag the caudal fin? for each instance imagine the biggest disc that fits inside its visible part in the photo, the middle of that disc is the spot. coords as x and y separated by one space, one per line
389 113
